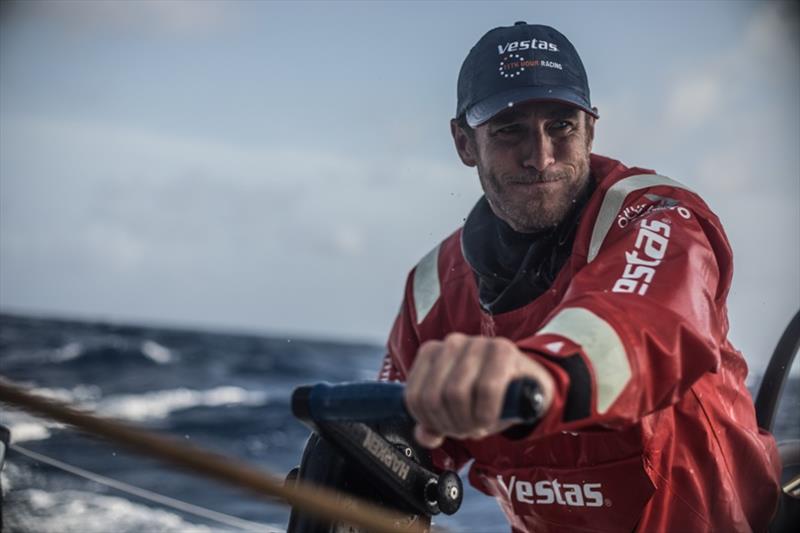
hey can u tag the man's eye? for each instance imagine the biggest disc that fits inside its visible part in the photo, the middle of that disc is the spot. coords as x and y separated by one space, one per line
560 125
509 130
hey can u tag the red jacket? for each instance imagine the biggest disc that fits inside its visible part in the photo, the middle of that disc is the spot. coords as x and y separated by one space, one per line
651 427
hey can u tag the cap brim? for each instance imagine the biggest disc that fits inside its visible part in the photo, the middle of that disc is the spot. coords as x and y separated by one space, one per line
489 107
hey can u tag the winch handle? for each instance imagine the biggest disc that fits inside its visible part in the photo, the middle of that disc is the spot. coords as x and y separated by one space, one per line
372 401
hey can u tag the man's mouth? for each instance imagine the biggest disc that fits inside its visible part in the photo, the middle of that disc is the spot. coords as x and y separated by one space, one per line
537 181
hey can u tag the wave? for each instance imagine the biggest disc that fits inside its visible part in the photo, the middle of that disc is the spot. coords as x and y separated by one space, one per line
82 394
156 352
160 404
109 350
86 512
26 431
131 407
25 427
68 352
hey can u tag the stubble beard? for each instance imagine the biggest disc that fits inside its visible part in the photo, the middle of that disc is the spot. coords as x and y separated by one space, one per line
533 211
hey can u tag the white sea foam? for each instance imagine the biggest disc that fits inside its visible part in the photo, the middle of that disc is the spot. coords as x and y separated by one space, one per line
156 352
86 512
24 427
159 404
86 395
150 349
69 351
27 431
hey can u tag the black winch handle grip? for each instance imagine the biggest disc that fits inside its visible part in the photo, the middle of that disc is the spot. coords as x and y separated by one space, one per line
370 401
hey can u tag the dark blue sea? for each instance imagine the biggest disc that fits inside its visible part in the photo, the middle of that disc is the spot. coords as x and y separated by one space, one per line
226 392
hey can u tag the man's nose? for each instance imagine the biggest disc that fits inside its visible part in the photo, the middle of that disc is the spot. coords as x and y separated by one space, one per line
539 152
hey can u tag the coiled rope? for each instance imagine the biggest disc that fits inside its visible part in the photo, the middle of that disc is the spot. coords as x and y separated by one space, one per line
318 501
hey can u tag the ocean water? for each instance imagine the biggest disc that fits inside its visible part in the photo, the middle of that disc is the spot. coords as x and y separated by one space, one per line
226 392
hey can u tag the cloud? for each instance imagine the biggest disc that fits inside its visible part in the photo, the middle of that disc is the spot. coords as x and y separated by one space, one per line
763 60
148 222
691 104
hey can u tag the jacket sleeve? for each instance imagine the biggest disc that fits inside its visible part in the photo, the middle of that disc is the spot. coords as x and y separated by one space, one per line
644 316
402 348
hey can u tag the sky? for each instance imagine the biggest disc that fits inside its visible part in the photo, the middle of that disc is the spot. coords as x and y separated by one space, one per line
279 167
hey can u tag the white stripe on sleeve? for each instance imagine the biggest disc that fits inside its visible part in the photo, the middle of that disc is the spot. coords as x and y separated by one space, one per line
602 346
426 284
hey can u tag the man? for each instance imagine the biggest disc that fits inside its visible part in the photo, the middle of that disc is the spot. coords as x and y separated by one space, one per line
604 284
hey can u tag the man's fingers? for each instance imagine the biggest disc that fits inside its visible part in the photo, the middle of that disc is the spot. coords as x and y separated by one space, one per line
490 387
457 391
416 377
424 398
444 389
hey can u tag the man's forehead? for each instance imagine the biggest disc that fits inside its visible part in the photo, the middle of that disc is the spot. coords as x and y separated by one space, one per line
536 108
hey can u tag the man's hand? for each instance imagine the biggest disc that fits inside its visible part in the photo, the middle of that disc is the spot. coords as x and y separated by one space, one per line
456 386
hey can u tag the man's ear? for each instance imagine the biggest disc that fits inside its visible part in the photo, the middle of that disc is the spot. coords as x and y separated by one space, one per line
590 122
465 145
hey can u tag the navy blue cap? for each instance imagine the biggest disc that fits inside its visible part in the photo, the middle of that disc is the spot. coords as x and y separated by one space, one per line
514 64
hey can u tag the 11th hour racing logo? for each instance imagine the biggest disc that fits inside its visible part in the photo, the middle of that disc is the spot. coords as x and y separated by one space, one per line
553 492
512 63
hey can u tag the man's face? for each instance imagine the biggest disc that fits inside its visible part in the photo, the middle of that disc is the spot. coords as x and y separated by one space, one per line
532 160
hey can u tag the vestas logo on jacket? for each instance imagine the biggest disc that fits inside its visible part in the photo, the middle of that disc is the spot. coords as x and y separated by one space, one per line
533 44
552 492
641 262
